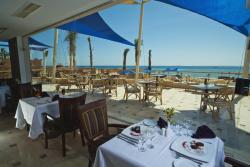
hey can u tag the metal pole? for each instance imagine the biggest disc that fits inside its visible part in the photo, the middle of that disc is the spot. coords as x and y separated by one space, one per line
139 41
54 54
245 72
45 55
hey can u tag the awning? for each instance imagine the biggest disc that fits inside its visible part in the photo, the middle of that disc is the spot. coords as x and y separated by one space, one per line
94 25
35 45
232 13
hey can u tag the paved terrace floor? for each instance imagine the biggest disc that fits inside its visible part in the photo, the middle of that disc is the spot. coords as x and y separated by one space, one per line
17 150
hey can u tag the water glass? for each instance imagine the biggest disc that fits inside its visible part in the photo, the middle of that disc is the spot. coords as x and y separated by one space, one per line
142 140
150 133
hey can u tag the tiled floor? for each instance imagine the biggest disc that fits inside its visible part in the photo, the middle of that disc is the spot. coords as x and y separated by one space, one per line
17 150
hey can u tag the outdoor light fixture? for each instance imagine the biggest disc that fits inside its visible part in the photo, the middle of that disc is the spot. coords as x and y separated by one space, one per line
26 10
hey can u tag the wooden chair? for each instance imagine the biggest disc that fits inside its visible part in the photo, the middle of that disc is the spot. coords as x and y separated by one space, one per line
154 90
82 82
236 163
94 125
131 89
110 84
67 122
97 84
218 100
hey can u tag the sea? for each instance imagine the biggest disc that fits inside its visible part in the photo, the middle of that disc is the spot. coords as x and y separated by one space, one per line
192 71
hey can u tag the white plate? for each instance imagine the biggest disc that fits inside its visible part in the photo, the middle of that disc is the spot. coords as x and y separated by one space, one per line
182 162
149 122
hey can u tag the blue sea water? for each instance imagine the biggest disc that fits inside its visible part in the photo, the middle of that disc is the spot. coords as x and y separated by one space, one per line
193 71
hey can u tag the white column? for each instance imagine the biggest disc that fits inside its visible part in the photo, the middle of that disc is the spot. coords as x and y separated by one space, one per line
23 52
54 53
245 72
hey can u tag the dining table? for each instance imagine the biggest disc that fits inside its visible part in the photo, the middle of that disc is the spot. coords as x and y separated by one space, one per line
4 90
206 88
29 111
145 84
167 151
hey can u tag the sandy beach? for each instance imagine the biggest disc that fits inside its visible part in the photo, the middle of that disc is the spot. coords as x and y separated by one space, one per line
235 133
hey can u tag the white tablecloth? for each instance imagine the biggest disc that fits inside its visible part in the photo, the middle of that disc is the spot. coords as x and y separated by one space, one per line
117 153
29 110
3 91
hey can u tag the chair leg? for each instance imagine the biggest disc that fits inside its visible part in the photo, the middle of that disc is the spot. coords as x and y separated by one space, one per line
46 140
63 145
82 138
74 133
90 163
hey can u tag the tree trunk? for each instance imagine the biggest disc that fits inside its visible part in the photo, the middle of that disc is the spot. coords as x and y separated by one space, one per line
149 59
125 58
90 53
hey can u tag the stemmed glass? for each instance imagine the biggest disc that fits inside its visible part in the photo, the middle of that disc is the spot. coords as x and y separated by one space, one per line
150 135
141 141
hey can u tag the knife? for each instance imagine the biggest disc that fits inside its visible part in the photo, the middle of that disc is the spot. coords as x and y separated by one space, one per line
128 141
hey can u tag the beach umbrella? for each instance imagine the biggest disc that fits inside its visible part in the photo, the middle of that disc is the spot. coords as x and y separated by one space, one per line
125 58
126 72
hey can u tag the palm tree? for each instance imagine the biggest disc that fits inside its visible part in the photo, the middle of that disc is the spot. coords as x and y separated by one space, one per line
136 51
125 58
90 53
71 39
149 59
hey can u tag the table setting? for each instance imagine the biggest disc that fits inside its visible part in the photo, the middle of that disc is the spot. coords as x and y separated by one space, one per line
159 143
29 111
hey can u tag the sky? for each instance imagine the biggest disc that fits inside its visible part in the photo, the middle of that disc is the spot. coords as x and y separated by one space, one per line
175 36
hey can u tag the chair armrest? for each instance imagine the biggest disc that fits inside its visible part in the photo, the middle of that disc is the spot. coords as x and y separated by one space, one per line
235 163
46 115
117 126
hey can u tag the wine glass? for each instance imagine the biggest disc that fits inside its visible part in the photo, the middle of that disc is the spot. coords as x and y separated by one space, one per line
150 135
141 141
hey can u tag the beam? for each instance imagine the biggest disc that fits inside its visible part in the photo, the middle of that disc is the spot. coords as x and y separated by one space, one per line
245 73
78 16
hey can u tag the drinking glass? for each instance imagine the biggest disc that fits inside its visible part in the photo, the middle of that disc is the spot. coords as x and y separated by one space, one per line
150 133
142 140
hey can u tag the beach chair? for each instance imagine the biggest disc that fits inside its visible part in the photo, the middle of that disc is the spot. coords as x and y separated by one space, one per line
110 85
98 84
131 89
221 99
153 90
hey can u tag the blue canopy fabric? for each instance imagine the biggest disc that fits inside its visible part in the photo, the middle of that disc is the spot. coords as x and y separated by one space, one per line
232 13
171 69
126 72
94 25
36 45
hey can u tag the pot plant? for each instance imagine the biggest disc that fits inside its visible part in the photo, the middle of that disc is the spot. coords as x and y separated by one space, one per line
168 114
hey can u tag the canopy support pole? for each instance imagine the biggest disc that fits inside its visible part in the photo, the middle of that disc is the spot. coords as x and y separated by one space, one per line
138 56
245 73
54 54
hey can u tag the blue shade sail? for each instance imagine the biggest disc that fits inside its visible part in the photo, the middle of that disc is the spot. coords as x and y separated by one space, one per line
36 45
171 69
232 13
94 25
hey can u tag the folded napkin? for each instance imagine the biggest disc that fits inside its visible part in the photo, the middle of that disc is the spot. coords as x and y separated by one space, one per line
55 98
203 132
162 123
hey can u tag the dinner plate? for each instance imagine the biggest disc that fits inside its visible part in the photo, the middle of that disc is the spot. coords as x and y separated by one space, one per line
149 122
182 162
199 151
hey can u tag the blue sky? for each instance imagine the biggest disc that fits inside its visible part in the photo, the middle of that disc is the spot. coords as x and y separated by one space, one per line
176 37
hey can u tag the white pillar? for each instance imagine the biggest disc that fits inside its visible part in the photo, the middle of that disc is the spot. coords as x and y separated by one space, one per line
20 59
245 72
54 53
